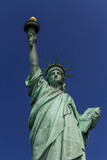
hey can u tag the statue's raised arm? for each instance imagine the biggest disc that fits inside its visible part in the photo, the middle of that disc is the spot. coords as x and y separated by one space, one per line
32 27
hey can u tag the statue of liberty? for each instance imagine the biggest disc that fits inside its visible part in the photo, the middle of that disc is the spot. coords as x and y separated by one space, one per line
58 131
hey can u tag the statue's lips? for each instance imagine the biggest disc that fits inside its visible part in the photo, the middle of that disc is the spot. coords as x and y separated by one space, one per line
56 78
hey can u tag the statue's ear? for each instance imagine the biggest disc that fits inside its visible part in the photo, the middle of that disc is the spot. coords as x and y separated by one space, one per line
48 81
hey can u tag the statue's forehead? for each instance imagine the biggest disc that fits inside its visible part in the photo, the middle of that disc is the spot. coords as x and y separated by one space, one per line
56 70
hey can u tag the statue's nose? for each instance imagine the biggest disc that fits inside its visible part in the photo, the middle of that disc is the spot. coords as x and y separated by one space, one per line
56 75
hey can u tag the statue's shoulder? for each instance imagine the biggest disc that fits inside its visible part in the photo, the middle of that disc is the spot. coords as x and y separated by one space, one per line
68 97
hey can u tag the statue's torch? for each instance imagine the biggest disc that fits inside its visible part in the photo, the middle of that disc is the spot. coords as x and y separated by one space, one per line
31 24
31 27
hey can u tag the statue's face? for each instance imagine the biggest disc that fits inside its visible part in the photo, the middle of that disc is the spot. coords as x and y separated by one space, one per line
31 37
55 77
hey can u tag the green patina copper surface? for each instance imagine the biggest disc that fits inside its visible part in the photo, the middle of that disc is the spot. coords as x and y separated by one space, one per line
58 131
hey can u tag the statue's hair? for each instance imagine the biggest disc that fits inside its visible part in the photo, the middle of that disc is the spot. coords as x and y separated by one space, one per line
63 87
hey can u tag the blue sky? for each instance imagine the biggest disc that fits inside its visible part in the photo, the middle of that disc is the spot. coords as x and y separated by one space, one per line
75 29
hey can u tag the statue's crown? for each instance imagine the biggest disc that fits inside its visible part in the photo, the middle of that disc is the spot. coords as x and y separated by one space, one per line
57 66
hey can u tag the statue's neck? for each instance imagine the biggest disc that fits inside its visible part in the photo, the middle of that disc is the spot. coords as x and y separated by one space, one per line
56 86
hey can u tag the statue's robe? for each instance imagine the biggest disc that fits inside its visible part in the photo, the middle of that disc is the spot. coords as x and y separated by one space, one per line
53 121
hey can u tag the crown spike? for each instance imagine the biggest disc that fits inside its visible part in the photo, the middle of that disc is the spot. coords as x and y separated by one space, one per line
47 62
68 69
56 59
64 62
